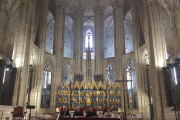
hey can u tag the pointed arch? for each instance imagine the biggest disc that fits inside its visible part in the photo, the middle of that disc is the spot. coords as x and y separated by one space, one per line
105 5
132 90
108 11
89 7
70 11
46 84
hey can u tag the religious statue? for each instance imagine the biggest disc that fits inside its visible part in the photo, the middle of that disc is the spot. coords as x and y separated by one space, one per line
96 98
119 92
88 99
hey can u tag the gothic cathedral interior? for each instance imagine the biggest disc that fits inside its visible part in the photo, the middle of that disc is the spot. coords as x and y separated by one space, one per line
121 54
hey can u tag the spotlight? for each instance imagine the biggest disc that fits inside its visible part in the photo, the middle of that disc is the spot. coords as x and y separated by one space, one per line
7 69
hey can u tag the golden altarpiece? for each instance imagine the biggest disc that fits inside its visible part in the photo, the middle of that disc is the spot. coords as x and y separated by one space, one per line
87 93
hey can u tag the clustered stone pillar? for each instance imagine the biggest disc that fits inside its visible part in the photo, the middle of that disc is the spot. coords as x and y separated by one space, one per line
136 37
78 44
33 89
99 44
157 50
21 52
59 40
119 40
43 12
175 41
58 49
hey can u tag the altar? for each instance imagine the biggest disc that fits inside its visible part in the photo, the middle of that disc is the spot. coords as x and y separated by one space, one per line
96 94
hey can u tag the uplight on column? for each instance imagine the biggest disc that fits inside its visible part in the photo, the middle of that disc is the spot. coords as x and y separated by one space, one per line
161 62
18 62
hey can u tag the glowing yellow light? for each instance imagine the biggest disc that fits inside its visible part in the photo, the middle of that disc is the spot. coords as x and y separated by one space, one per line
161 62
18 62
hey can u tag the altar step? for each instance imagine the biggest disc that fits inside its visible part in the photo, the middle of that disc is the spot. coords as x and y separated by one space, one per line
6 112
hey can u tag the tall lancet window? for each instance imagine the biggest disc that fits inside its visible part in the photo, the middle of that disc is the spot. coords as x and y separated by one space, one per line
89 36
132 91
128 29
46 85
88 40
109 43
68 37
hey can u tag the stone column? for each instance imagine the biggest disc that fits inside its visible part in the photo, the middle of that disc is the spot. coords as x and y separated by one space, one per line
99 30
174 29
34 81
119 38
119 41
20 52
157 50
58 50
136 38
43 12
59 40
175 41
78 44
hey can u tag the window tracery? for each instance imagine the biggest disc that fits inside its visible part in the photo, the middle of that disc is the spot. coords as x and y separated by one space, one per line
110 73
132 92
46 84
67 73
89 35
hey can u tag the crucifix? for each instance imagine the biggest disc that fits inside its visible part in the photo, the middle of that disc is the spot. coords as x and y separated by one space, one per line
124 87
